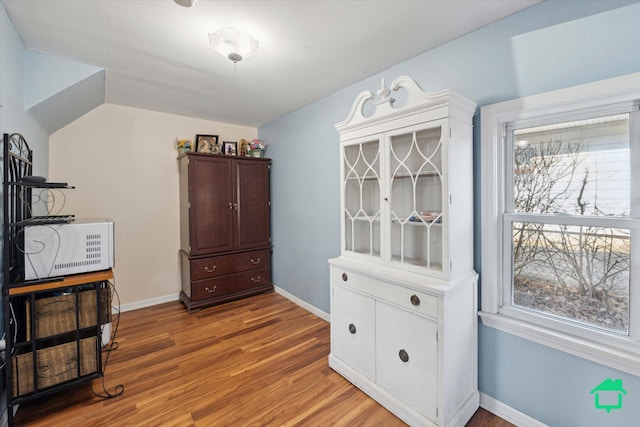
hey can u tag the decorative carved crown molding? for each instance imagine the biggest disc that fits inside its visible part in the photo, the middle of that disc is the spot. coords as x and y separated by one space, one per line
385 106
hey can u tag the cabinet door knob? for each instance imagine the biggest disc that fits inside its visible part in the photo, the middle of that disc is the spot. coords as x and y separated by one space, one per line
404 356
255 262
255 280
230 205
209 270
210 290
415 300
352 328
345 277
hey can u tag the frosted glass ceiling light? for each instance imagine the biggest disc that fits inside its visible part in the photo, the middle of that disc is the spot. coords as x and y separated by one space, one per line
233 44
185 3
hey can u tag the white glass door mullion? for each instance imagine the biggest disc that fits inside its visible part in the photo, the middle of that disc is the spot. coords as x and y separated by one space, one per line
361 196
445 217
385 194
416 200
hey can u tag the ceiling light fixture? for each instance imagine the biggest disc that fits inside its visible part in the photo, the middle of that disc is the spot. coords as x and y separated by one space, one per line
185 3
233 44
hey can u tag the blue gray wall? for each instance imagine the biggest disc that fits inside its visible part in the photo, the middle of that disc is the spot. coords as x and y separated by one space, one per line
553 45
13 117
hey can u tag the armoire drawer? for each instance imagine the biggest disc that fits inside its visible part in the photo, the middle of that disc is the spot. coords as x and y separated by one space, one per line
226 264
412 300
223 285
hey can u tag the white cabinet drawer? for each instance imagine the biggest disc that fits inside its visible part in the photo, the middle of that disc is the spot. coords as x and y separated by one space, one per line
407 358
412 300
353 329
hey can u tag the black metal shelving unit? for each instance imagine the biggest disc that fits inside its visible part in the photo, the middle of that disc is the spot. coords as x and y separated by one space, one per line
52 326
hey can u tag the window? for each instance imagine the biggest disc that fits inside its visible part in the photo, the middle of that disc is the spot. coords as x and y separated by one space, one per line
568 187
561 220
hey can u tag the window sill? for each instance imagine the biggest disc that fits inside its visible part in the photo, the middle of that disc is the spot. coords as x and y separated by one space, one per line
623 359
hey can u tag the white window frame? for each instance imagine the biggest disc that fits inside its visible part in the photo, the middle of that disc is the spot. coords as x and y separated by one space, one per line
607 97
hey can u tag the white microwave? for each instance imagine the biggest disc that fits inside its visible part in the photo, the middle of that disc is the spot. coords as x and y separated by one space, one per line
81 246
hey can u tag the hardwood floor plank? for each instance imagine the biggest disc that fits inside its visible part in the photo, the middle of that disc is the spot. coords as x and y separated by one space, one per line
261 361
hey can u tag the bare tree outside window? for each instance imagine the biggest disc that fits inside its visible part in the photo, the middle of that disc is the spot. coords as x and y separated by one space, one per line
568 267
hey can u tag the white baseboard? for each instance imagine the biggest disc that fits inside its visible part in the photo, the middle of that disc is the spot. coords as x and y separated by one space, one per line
149 302
175 297
310 308
508 413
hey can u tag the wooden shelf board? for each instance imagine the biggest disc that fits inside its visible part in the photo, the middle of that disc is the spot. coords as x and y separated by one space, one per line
76 279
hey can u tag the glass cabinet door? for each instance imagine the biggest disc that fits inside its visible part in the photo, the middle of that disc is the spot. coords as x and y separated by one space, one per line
415 159
362 197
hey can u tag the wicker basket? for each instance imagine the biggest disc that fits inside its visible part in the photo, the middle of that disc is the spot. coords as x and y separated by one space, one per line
56 315
54 365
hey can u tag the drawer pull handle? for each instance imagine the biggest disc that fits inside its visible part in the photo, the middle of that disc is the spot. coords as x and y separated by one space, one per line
345 277
415 300
352 328
404 356
210 270
255 262
210 290
255 280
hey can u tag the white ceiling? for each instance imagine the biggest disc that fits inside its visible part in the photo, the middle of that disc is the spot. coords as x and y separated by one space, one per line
156 53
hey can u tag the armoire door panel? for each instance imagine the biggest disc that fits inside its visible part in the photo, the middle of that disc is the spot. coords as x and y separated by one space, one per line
211 205
252 195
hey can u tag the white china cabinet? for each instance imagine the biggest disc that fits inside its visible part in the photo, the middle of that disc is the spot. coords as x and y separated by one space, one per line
403 290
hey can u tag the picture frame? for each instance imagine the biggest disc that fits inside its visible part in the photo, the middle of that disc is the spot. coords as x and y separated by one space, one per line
230 148
208 144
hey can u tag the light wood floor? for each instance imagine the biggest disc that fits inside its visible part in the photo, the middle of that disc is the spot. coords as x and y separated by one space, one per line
260 361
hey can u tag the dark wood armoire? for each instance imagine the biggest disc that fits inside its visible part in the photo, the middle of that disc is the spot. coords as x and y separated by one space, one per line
225 233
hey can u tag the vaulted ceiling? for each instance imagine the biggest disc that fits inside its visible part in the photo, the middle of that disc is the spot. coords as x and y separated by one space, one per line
156 56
